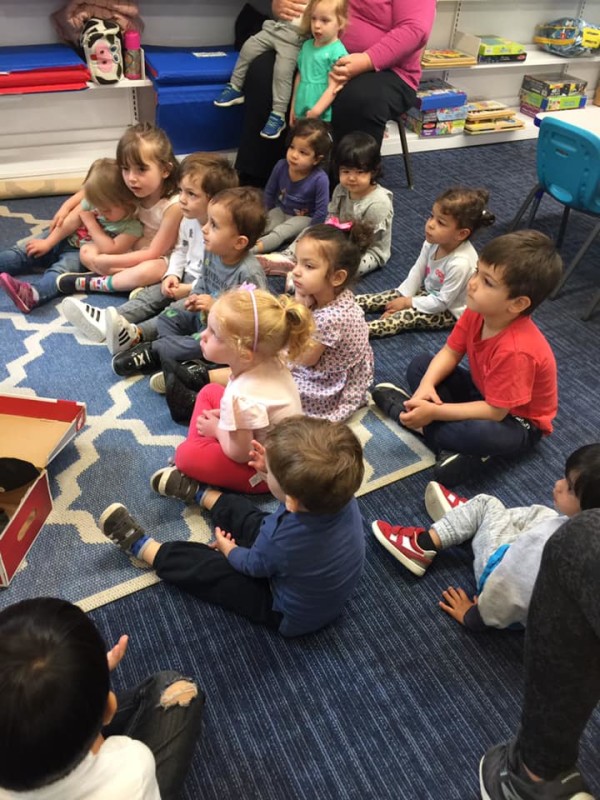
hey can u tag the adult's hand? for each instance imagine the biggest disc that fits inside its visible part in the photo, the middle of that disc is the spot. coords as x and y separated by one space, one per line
288 9
351 65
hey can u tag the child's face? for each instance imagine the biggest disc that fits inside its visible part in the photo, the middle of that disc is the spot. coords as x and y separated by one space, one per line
357 182
112 213
565 499
214 346
487 294
145 181
192 199
442 229
312 273
324 23
220 233
301 157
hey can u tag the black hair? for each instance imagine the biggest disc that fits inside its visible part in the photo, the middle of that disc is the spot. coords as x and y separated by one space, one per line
342 249
583 471
467 207
359 150
54 684
318 134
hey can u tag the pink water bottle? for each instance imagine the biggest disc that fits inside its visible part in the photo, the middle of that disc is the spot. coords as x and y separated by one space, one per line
133 56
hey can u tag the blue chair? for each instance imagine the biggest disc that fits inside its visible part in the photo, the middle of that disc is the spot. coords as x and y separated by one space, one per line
568 169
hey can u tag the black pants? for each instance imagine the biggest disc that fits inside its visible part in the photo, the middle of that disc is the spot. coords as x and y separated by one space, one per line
366 103
562 648
205 573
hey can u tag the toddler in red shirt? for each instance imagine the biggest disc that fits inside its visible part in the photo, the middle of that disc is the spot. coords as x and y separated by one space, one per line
508 399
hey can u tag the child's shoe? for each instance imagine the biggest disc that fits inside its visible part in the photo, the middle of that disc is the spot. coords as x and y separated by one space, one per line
274 126
439 500
157 383
170 482
453 468
390 399
230 96
86 318
276 263
140 359
117 524
402 544
120 334
73 282
23 295
502 776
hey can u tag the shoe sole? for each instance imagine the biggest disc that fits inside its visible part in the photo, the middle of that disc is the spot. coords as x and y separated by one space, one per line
272 266
393 386
158 484
273 135
482 789
23 307
237 102
410 565
103 519
73 312
436 504
113 329
157 383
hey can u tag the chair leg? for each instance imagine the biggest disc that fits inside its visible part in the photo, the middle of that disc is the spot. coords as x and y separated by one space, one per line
578 256
405 153
521 212
592 307
563 227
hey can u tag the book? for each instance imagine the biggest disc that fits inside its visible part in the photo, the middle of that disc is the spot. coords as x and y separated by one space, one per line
493 125
553 85
436 93
498 46
488 110
503 58
447 58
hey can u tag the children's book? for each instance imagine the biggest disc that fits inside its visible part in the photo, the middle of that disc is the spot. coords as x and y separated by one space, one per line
446 59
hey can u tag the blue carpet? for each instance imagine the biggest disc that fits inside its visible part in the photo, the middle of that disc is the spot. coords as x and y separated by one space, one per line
395 700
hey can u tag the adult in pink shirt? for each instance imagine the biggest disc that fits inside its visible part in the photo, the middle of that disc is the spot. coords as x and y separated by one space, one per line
380 75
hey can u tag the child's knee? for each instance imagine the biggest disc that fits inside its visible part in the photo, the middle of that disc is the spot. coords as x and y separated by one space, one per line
179 693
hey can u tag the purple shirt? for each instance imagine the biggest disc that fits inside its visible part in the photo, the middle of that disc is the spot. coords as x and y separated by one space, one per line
307 197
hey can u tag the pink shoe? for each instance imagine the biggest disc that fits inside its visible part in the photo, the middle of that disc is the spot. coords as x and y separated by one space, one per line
22 294
439 500
276 263
402 544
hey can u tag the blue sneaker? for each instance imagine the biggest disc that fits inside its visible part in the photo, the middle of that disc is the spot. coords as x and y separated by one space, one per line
230 96
274 126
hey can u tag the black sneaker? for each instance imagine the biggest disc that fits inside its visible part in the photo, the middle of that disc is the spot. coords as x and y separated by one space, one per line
390 399
73 282
193 374
117 524
139 359
170 482
180 399
500 779
453 468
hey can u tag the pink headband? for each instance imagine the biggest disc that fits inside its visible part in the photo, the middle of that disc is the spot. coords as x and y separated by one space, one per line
250 288
337 223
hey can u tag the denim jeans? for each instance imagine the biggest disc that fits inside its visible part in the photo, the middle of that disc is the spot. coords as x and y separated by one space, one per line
477 437
169 730
60 259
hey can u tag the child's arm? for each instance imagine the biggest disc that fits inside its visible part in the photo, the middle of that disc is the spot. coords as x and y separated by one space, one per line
272 187
235 444
101 240
163 241
457 604
411 284
71 203
39 247
311 354
293 101
321 195
326 99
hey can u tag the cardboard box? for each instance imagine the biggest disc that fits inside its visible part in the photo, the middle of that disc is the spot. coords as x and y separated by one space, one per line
490 48
554 85
561 103
439 122
34 429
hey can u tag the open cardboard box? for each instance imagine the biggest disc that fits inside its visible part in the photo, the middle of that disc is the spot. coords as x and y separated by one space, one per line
34 429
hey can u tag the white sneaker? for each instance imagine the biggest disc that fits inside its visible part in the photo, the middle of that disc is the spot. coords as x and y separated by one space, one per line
157 383
87 319
120 334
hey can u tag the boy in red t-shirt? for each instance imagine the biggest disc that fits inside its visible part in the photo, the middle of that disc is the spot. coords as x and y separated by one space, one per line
508 400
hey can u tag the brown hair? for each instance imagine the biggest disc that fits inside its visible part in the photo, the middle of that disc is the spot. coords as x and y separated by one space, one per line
143 142
467 207
247 208
340 9
531 266
280 323
318 462
318 135
104 186
213 173
341 249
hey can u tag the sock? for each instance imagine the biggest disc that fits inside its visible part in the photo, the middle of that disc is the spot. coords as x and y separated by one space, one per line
136 549
425 541
103 283
202 490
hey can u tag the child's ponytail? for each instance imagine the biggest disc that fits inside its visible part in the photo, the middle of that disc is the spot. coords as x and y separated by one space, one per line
300 325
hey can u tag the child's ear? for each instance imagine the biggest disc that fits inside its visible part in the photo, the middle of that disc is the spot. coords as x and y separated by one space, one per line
241 243
339 277
518 305
167 170
292 504
110 709
464 233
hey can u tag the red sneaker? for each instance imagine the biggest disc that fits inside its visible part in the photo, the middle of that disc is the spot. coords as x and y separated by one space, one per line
402 544
21 293
439 500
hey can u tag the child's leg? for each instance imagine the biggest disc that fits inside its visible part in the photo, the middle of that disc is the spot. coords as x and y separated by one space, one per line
165 713
147 303
287 44
178 333
202 457
251 49
372 303
286 230
409 320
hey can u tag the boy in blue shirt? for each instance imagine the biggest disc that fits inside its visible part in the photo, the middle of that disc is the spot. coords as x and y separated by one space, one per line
292 570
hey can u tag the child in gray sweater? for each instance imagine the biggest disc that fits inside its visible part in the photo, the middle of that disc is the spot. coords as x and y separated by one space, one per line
507 542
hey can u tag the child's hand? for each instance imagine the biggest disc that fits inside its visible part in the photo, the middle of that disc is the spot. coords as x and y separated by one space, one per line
257 457
88 218
399 304
37 247
456 603
425 392
116 655
418 413
169 285
199 302
224 542
208 422
182 291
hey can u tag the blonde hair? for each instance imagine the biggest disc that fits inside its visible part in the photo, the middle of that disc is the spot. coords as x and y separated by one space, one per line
143 142
340 9
246 315
104 186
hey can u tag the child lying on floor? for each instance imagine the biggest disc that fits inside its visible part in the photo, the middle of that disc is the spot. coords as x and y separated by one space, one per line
507 542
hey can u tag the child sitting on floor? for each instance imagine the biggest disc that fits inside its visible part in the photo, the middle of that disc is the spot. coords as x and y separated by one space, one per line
507 542
62 733
106 218
507 401
292 570
433 294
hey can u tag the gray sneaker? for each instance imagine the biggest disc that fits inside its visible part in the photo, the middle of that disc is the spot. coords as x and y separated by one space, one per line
117 524
499 779
157 383
170 482
86 318
120 334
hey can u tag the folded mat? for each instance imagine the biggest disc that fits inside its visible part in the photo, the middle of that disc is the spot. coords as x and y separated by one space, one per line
41 68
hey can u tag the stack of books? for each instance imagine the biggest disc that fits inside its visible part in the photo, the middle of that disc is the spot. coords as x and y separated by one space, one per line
496 49
446 59
440 111
490 116
553 92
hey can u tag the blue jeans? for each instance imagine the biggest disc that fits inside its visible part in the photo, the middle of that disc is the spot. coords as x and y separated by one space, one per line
477 437
60 259
170 731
